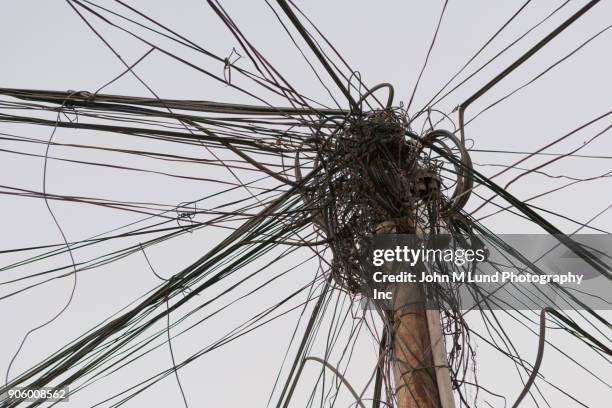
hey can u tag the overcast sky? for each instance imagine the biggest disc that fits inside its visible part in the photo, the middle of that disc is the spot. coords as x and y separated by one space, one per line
46 46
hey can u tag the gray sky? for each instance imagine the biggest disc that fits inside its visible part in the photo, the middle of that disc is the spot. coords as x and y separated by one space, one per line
46 46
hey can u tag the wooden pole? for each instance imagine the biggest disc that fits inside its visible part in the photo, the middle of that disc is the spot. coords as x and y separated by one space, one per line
414 369
443 377
420 366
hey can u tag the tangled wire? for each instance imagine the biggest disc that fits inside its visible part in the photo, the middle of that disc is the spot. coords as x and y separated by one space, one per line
376 172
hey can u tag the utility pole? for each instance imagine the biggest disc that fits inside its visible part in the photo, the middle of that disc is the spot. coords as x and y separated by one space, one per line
416 383
438 349
422 375
420 366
